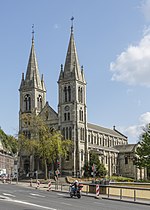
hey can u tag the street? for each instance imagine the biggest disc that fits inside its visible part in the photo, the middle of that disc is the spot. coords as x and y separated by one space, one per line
15 197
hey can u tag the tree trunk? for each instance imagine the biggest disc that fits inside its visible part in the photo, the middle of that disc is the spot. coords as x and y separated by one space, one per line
45 165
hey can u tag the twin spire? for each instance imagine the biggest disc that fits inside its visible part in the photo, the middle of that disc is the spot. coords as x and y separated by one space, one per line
32 78
72 69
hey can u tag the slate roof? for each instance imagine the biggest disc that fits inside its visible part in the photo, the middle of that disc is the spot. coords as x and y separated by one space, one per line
125 148
107 131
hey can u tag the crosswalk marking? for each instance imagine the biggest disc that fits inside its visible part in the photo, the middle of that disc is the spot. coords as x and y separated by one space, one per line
38 195
7 194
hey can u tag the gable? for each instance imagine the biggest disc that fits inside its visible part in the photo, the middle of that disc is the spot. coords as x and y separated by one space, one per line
49 114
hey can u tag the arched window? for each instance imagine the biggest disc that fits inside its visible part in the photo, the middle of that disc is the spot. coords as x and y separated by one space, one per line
39 103
89 138
100 141
103 141
80 133
106 142
65 116
109 143
69 116
27 102
79 94
81 115
94 139
81 155
27 133
106 159
67 133
81 97
69 93
70 133
65 93
126 160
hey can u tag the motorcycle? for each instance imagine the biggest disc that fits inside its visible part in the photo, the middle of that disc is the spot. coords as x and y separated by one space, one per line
76 192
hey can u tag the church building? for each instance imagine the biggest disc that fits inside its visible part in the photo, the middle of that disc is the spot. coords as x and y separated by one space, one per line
70 118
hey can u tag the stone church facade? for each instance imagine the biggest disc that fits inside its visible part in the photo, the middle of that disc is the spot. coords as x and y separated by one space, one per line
71 116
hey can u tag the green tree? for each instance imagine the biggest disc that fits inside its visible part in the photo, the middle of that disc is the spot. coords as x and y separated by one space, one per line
94 166
44 143
143 149
9 143
86 169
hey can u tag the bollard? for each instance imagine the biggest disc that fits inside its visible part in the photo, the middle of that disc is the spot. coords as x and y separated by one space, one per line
49 186
97 191
38 184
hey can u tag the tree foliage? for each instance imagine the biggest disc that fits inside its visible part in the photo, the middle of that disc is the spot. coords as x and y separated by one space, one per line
9 142
44 142
94 166
143 149
100 169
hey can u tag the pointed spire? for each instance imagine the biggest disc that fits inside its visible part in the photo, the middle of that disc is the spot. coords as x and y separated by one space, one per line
82 73
72 67
22 81
32 68
42 82
61 75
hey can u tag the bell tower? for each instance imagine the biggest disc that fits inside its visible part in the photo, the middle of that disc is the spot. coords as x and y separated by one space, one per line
32 98
72 110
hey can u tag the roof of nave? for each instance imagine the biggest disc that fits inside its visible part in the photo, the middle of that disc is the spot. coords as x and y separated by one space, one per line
126 148
107 131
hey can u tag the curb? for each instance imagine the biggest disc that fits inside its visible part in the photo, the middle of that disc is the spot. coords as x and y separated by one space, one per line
127 201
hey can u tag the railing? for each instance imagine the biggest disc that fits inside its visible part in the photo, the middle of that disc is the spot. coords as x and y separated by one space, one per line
111 192
133 193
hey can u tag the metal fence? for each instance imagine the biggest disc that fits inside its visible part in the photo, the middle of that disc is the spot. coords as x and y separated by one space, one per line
111 192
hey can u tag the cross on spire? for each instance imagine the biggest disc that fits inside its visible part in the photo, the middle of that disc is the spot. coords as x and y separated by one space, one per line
72 23
32 32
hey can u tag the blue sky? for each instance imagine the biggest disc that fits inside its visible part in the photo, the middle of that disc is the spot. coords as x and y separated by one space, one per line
113 44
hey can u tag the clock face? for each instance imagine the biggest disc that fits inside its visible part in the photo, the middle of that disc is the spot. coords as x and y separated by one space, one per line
67 108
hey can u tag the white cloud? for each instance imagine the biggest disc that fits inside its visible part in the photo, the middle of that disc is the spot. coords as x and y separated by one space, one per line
132 66
145 8
145 118
134 131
